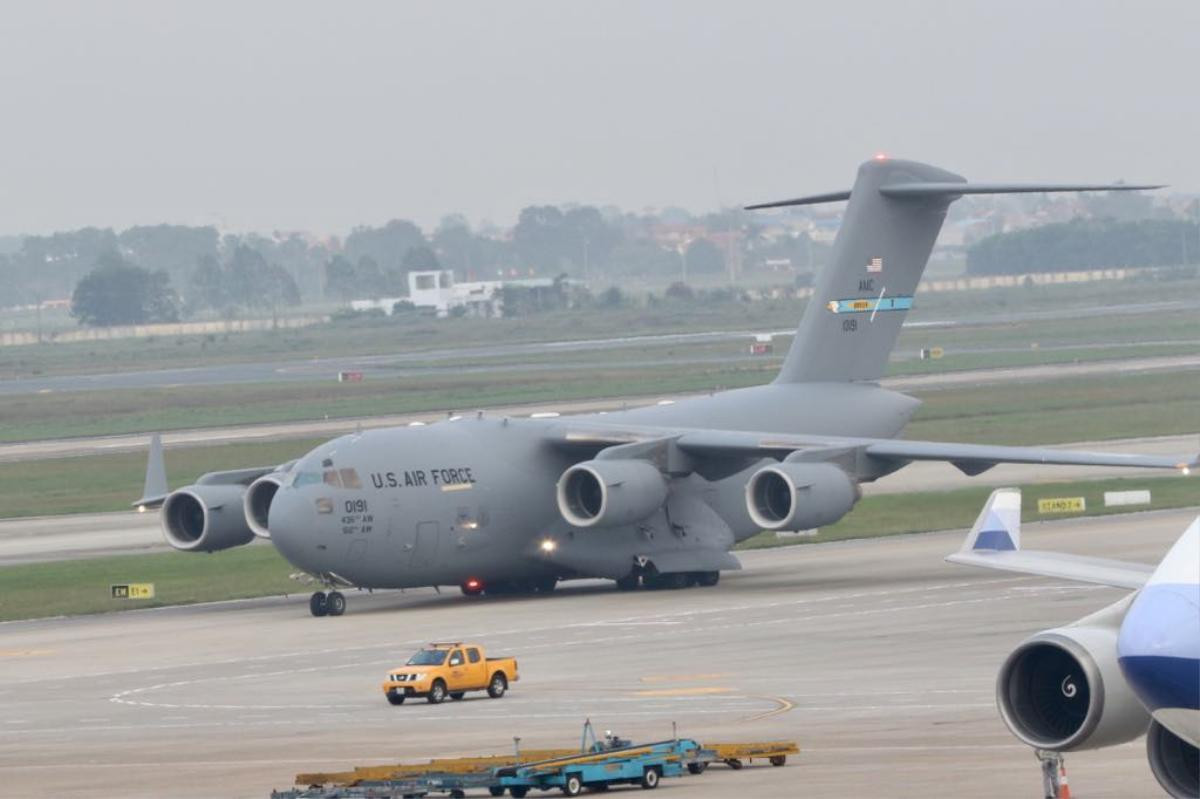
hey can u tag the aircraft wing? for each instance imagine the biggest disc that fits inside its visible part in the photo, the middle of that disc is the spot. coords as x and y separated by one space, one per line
995 543
971 459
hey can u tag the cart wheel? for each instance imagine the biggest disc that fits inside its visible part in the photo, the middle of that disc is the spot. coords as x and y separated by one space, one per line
734 763
650 778
697 768
316 604
573 785
437 693
518 791
457 695
497 686
778 760
496 790
335 603
395 698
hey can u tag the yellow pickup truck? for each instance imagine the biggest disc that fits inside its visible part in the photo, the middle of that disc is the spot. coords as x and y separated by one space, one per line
449 669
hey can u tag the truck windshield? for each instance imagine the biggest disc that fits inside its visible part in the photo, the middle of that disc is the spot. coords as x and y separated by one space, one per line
428 657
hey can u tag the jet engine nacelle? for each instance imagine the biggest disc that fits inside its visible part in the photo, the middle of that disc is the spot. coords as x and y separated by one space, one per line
206 518
799 496
609 493
1063 689
1174 761
256 502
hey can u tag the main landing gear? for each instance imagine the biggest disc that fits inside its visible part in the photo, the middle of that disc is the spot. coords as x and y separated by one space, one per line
655 581
331 604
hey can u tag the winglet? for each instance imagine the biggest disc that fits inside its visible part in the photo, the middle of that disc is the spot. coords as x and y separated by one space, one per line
998 527
155 489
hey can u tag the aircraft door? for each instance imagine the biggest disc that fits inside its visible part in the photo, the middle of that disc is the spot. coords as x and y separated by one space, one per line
425 551
402 536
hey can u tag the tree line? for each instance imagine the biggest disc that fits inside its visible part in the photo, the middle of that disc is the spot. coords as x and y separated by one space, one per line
1087 244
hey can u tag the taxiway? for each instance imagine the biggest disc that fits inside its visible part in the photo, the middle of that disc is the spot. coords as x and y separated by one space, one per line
875 655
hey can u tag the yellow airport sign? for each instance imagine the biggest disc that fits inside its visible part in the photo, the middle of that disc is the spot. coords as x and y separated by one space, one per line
1062 505
132 591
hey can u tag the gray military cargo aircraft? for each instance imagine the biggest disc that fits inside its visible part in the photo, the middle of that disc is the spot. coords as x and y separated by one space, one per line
654 496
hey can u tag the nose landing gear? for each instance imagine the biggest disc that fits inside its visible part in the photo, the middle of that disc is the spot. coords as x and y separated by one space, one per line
331 604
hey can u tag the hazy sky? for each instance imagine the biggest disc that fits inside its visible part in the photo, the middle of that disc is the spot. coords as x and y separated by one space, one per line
320 116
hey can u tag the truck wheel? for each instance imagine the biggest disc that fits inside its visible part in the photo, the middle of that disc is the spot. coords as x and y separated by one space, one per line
496 790
437 693
518 791
395 698
650 778
697 767
628 583
778 760
335 603
573 785
497 686
458 695
734 763
458 793
316 604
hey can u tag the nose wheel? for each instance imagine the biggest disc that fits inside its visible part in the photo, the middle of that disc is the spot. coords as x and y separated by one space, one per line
331 604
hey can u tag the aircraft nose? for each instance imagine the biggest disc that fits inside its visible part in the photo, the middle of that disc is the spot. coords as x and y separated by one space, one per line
292 522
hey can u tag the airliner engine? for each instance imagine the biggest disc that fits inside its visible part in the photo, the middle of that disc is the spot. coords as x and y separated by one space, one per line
206 518
799 496
609 493
1062 690
1174 761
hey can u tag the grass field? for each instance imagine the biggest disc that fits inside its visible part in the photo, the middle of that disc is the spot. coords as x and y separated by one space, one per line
1056 412
415 333
82 586
650 371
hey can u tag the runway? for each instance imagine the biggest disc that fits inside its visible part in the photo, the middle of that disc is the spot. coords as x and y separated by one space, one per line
875 655
85 535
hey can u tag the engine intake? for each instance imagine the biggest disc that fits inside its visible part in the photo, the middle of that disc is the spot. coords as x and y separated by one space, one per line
256 503
205 518
1174 761
799 496
607 493
1063 690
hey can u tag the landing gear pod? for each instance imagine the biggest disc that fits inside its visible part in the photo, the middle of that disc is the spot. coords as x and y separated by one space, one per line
609 493
205 518
1062 690
799 496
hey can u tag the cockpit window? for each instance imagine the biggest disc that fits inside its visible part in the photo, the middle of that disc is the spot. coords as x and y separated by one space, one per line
332 479
306 478
428 657
350 478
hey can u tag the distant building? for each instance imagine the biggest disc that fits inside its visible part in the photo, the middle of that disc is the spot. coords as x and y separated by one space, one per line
436 289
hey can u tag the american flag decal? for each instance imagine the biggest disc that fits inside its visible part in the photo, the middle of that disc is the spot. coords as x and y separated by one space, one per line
875 265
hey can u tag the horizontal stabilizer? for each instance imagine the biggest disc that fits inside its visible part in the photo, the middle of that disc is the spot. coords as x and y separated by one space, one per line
952 189
812 199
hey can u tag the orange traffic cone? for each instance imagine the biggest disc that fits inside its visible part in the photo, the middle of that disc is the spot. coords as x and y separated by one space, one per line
1064 788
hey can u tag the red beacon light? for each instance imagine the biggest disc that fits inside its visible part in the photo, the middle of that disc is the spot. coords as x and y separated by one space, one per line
880 156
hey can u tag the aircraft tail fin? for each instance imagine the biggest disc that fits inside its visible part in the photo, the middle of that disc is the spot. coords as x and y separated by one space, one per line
861 297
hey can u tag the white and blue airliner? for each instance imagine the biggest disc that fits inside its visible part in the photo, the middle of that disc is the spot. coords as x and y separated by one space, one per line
1129 669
